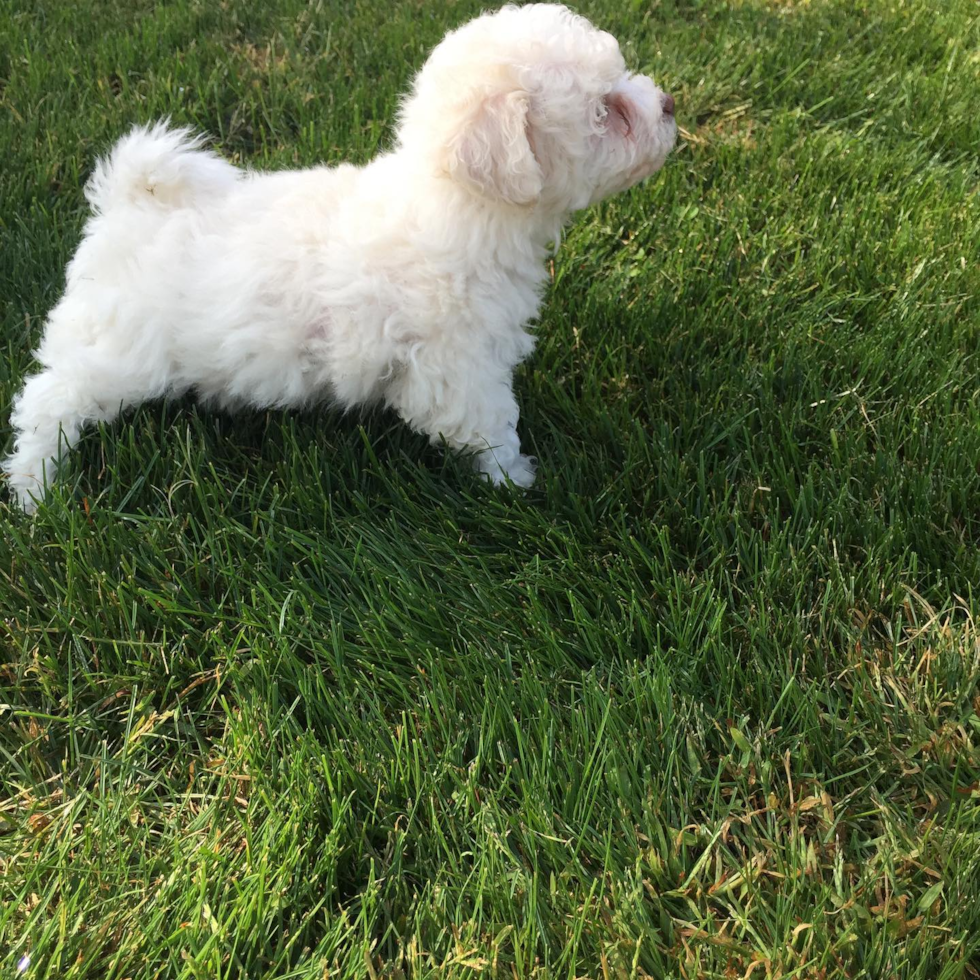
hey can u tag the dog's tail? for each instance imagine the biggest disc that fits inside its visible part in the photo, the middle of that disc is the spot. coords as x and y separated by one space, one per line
161 167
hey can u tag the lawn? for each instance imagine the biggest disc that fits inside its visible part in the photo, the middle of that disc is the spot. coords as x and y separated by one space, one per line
294 696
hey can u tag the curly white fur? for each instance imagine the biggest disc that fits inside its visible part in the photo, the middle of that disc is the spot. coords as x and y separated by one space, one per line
409 281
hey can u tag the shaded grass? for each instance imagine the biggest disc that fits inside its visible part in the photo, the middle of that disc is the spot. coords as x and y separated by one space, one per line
293 696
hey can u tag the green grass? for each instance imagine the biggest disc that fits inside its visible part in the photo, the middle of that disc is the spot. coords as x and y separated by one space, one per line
292 695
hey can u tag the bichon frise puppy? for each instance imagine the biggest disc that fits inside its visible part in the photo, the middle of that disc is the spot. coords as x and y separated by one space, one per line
409 281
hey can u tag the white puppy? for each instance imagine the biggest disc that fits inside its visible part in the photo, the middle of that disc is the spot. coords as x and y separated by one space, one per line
409 281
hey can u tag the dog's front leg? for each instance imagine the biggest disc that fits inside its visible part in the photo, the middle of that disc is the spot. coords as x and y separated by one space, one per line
472 410
502 459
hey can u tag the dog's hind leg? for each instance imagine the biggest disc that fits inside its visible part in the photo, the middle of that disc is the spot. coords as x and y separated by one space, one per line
48 417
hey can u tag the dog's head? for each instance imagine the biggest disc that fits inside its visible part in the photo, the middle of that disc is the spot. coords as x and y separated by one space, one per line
533 106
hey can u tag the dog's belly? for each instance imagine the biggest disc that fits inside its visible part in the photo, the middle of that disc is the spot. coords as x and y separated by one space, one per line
259 370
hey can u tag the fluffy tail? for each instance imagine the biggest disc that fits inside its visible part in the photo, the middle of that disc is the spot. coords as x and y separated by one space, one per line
161 167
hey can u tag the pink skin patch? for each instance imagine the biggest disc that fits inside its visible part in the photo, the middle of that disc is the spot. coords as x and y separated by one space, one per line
620 114
319 328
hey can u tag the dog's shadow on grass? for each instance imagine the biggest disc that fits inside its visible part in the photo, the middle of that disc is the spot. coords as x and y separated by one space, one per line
170 451
174 457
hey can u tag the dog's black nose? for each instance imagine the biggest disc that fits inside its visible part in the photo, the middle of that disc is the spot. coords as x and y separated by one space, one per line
668 105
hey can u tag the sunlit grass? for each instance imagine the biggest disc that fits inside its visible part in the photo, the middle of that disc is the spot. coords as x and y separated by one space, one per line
292 695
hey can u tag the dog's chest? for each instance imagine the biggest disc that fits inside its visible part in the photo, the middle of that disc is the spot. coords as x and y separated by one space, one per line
507 298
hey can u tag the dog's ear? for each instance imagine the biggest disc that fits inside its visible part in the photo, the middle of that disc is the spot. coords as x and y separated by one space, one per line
492 153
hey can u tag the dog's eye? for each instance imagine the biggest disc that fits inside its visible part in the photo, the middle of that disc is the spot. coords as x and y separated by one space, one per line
617 114
623 116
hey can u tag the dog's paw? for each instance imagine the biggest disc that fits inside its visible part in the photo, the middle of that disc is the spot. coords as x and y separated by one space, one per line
25 488
519 471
